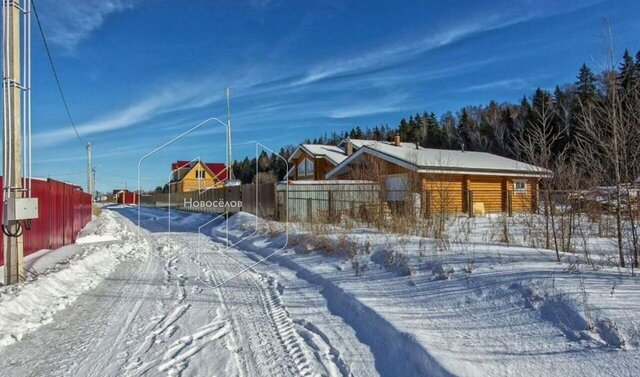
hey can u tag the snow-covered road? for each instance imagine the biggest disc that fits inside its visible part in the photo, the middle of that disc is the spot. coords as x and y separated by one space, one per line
130 301
158 313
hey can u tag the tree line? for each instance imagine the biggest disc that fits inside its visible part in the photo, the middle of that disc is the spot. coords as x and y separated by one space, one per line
586 132
545 128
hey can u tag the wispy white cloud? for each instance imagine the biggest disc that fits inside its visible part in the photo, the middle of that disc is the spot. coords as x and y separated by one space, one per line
517 83
70 22
364 110
171 98
369 106
394 54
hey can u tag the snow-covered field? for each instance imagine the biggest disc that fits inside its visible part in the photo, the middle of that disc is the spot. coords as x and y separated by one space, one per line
129 301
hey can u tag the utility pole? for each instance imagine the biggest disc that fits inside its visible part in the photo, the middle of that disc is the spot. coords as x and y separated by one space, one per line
12 169
89 170
229 155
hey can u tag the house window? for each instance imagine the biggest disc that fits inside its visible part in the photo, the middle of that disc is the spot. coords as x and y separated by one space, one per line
309 165
305 168
520 185
199 174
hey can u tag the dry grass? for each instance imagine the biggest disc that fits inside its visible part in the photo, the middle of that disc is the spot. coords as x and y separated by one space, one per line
96 210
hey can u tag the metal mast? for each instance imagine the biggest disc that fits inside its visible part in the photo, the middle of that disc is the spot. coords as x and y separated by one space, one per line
229 154
90 189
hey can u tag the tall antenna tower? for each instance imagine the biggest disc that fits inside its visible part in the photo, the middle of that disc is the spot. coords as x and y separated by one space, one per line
90 188
229 154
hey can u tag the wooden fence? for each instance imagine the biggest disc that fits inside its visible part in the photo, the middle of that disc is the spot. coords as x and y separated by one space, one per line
257 199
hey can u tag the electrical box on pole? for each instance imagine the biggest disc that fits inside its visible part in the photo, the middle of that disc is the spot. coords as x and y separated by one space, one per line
17 209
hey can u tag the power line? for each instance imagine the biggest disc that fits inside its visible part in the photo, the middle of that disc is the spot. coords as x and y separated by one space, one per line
55 73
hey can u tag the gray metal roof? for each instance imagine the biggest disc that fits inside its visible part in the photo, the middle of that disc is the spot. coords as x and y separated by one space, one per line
444 161
333 153
359 143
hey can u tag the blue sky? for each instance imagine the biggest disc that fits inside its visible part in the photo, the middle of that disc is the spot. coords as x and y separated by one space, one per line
137 73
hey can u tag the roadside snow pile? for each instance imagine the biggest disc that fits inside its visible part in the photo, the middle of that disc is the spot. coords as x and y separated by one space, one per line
473 308
95 238
29 305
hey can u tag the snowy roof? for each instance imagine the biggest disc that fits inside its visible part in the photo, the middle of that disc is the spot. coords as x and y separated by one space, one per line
336 154
331 152
359 143
443 161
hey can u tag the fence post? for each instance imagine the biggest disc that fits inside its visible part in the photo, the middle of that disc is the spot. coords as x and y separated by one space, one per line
275 202
470 202
330 205
309 209
509 204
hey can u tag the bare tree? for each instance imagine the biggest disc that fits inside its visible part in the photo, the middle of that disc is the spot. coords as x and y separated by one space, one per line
610 132
537 148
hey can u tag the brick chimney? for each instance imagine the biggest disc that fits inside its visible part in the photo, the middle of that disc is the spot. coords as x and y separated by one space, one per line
348 149
397 141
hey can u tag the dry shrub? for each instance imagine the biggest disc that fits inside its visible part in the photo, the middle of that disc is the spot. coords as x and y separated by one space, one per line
396 258
500 231
398 261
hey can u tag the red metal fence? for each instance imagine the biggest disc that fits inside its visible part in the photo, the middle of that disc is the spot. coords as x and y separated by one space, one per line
63 209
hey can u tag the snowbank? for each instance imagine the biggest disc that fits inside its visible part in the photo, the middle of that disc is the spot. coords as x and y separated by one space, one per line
474 308
63 275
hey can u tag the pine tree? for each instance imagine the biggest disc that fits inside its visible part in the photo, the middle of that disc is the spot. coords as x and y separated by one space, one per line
403 129
466 128
627 73
377 134
510 135
586 86
434 138
413 130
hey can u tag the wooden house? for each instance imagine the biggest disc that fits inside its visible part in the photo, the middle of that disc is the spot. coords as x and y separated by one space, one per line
444 180
196 175
313 161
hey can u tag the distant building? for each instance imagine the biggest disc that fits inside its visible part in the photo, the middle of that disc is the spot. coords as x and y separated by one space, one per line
127 197
314 161
197 175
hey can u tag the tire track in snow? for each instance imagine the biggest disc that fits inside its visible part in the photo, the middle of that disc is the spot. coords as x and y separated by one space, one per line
294 355
395 352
